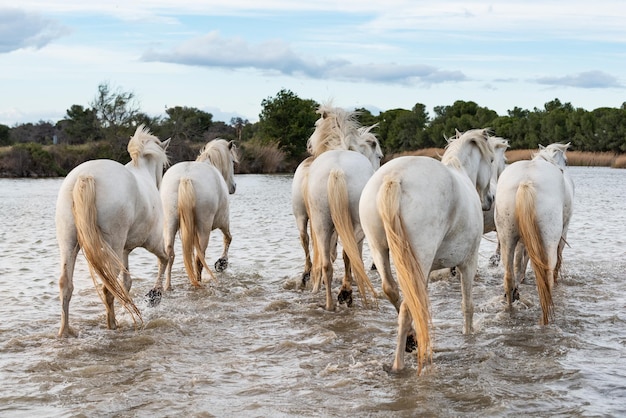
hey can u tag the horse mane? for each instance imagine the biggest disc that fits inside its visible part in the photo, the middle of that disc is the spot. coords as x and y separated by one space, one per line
219 152
498 142
549 153
144 144
336 129
480 137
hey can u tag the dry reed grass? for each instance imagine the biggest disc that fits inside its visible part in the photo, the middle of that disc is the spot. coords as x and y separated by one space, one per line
574 158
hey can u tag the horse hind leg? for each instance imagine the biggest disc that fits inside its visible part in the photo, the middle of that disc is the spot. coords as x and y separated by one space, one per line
109 299
405 341
66 288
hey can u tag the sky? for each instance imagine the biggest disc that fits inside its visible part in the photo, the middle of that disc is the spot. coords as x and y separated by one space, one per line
225 57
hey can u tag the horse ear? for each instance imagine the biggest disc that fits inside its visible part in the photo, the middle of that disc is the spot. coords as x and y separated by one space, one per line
165 143
231 144
324 115
541 147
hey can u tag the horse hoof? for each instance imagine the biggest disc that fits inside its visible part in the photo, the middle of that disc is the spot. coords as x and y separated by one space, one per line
153 297
515 294
411 344
305 278
453 271
221 264
494 260
345 296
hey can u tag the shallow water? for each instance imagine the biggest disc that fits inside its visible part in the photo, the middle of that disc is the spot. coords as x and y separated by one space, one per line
252 344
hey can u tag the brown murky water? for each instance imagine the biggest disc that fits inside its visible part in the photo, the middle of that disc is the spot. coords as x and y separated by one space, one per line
254 345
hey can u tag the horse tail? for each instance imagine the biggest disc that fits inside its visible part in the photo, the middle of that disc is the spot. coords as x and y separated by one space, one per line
340 214
101 258
411 277
188 230
526 217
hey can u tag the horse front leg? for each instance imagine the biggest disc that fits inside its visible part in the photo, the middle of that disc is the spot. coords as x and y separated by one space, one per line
222 262
345 293
510 289
165 258
494 260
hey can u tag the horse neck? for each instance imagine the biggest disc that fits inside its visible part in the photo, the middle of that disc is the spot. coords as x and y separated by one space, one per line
498 166
463 162
148 169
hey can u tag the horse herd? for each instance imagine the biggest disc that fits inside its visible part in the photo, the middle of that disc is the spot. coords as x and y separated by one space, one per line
423 213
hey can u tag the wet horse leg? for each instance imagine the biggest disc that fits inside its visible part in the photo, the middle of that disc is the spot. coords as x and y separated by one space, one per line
468 271
520 263
345 293
66 288
510 287
222 262
108 300
404 330
305 242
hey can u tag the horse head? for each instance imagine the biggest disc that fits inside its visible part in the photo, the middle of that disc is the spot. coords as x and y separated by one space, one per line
148 152
367 144
554 153
499 145
223 155
334 129
473 154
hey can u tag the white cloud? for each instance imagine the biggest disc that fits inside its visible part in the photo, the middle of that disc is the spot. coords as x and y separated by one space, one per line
276 56
19 29
585 80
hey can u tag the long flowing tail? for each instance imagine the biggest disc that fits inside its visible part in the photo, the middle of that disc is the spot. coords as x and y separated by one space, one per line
189 231
411 277
100 256
340 213
525 214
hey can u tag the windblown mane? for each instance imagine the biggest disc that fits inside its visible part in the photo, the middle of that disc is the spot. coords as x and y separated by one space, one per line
219 152
143 144
456 143
335 129
553 153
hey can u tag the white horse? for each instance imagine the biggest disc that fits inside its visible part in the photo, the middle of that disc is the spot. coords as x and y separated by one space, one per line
335 129
330 189
109 209
195 200
534 205
499 145
429 215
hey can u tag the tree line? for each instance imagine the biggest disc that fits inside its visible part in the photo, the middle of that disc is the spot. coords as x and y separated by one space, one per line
277 142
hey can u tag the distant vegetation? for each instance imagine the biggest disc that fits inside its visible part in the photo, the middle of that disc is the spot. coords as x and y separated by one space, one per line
277 142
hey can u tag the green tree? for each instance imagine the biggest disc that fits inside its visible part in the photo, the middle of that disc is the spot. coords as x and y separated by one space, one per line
5 138
114 106
365 117
186 123
460 116
239 124
290 121
80 125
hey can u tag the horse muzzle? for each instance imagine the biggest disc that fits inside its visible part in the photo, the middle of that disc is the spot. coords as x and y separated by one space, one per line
487 202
